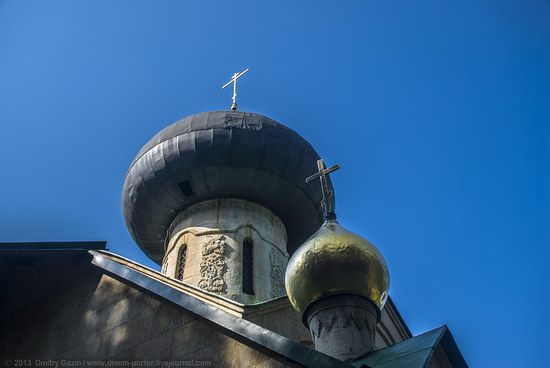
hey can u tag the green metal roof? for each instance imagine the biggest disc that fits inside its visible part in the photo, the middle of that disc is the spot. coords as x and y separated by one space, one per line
415 352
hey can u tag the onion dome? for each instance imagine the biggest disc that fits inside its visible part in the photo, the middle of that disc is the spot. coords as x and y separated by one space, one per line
336 261
222 154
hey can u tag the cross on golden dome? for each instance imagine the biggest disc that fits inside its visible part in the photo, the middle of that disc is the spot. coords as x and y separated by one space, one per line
322 175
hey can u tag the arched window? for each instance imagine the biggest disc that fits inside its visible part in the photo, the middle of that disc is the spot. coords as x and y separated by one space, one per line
181 262
248 266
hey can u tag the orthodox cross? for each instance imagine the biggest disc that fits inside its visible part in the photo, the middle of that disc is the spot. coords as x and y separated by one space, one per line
234 81
327 194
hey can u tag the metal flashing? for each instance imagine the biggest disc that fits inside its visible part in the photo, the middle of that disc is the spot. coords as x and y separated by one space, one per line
65 246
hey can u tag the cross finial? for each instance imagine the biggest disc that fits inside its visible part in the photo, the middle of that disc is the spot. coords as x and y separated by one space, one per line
234 81
322 174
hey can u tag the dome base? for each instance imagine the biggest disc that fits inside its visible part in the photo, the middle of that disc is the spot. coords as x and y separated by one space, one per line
342 326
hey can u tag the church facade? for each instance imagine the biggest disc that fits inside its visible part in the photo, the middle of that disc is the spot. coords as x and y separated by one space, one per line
255 269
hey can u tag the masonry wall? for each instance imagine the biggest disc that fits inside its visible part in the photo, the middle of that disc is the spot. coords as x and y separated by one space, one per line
87 314
285 322
213 233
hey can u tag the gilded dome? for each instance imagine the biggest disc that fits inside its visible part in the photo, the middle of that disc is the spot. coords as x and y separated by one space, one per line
336 261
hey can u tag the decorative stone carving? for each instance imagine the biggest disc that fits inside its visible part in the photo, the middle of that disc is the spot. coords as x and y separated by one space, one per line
277 276
339 320
212 265
216 264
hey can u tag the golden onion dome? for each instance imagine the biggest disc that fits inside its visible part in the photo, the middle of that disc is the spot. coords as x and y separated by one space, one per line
336 261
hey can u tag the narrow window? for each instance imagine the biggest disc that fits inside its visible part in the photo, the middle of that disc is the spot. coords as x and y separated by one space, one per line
248 266
181 262
185 187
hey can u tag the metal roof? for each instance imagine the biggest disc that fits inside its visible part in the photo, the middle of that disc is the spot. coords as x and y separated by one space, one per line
415 352
221 154
62 246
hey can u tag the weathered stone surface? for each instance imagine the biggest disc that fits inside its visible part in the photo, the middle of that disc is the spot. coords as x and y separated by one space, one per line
213 233
98 317
212 266
284 321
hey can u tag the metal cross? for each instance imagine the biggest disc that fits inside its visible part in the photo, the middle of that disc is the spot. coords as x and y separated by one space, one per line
327 194
234 81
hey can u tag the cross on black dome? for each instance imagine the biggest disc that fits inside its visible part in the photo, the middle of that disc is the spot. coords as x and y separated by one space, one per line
221 154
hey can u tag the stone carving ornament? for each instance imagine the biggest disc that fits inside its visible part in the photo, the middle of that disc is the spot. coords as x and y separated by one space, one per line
212 265
277 276
339 320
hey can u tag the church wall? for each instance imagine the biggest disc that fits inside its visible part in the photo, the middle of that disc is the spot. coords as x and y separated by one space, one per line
390 329
286 322
97 316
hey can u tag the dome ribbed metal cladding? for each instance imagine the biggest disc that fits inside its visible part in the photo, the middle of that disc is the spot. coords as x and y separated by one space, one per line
221 154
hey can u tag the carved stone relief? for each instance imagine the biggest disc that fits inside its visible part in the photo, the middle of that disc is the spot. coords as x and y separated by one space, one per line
339 320
212 265
277 276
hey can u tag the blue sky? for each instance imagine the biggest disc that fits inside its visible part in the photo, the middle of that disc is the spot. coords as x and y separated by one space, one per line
437 111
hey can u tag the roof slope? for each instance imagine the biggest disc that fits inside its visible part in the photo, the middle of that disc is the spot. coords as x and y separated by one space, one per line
415 352
248 333
50 257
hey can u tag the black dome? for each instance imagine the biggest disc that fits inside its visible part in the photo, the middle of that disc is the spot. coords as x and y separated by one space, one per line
221 154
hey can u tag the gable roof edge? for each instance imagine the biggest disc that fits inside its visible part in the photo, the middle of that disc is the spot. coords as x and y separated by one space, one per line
246 332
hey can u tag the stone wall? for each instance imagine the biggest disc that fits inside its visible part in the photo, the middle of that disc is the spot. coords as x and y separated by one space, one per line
92 315
285 322
213 233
